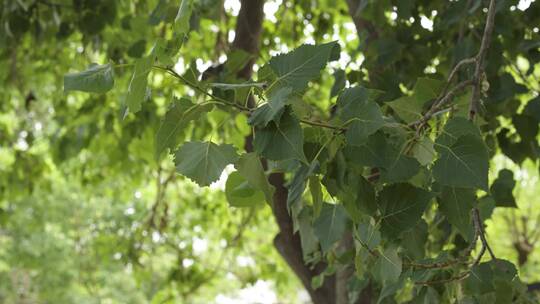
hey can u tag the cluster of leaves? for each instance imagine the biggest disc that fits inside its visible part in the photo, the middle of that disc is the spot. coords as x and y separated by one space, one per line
413 169
405 194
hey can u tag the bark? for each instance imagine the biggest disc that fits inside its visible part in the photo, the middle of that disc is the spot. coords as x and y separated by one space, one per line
248 32
288 245
247 37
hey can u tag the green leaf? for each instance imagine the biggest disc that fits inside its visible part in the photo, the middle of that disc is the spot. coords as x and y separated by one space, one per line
463 164
533 108
165 50
388 266
456 205
308 240
297 68
330 225
501 189
137 86
203 162
424 151
401 207
298 184
414 240
454 128
177 118
316 195
357 107
181 22
236 60
484 276
339 82
250 167
358 197
281 141
95 79
379 152
368 235
409 108
240 193
526 126
272 110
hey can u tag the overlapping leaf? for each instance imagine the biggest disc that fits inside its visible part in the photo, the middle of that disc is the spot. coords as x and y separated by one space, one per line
136 92
357 107
281 141
250 167
240 193
401 207
456 205
379 152
409 108
95 79
463 164
297 68
502 188
330 225
203 162
177 118
272 110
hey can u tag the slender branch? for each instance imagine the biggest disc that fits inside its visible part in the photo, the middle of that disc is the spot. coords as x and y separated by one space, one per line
459 277
456 69
434 265
322 124
480 57
439 103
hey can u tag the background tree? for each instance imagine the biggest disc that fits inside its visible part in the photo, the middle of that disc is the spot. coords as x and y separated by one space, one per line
386 147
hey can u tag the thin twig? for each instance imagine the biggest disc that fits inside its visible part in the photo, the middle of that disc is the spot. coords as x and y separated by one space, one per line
459 277
456 69
441 102
235 105
480 57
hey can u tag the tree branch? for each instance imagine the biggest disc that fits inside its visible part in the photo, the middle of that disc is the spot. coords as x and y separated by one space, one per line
480 57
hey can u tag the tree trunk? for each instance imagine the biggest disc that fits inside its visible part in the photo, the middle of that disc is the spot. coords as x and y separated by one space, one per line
247 37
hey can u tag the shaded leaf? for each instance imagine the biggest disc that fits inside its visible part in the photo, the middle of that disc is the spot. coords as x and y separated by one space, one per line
339 82
455 128
357 107
368 235
401 207
272 110
415 239
281 141
456 205
409 108
388 266
463 164
330 225
308 240
379 152
298 184
502 187
250 167
424 151
316 195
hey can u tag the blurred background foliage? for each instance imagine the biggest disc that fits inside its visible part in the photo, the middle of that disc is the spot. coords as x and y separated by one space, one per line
87 215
